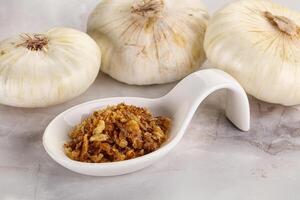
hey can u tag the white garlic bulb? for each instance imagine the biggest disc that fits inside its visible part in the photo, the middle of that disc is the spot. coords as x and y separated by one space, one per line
38 70
149 41
258 43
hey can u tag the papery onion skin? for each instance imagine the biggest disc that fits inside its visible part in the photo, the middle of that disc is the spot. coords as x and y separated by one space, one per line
241 40
143 46
62 70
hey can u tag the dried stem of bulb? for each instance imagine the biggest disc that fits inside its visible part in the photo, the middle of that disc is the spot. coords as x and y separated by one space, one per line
148 8
284 24
37 42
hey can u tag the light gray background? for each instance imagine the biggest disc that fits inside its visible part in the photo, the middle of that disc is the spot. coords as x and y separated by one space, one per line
213 160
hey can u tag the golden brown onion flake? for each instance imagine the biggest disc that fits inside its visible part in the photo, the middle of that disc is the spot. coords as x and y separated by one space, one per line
117 133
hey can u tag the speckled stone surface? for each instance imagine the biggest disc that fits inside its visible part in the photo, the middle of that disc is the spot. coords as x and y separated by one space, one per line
213 161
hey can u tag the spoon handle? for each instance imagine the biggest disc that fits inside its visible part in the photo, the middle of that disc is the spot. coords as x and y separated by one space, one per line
187 95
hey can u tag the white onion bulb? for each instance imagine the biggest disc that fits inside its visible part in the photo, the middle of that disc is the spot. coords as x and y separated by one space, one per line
258 42
38 70
149 41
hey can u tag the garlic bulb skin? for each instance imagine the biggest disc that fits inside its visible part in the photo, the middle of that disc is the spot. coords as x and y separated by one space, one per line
38 70
149 41
258 43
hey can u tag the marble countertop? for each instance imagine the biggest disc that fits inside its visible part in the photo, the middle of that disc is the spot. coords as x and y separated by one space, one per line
213 161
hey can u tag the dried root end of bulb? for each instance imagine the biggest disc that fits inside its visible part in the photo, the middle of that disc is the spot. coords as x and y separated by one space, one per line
283 24
37 42
148 8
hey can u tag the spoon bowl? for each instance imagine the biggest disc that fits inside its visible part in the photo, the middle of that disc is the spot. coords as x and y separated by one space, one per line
179 104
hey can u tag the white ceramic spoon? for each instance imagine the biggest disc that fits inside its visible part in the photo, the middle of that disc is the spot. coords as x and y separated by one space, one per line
179 104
